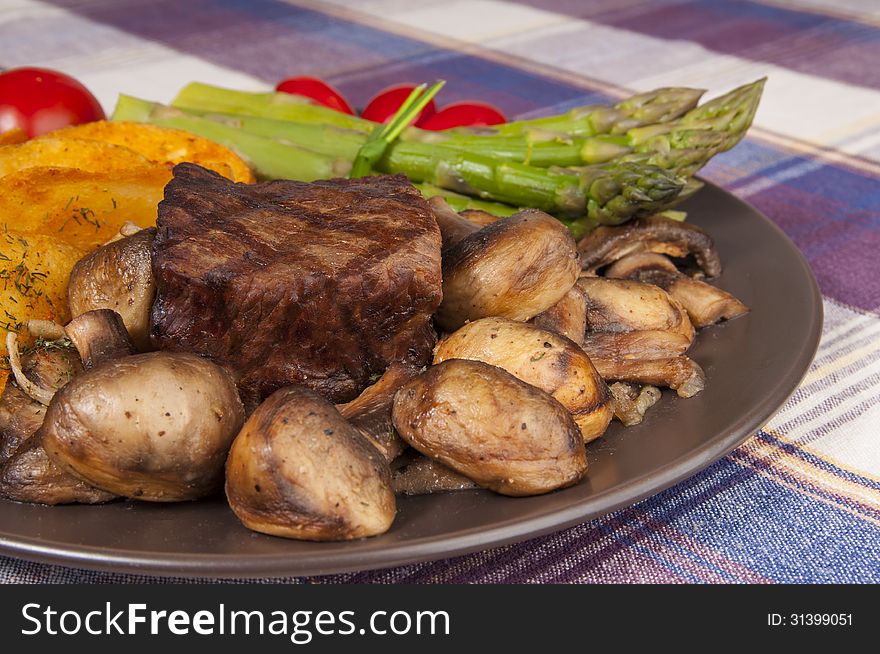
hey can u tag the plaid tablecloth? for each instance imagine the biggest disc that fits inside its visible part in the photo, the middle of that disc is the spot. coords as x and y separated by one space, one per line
800 501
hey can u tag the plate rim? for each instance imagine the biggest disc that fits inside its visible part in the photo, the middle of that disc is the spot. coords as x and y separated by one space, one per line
427 548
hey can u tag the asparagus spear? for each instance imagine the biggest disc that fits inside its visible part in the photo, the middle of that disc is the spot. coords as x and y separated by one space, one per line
687 144
460 202
661 105
658 106
279 106
613 195
270 158
684 145
610 195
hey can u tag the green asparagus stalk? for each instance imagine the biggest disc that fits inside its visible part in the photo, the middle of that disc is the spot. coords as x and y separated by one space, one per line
611 196
661 105
658 106
684 145
278 106
460 202
270 158
687 144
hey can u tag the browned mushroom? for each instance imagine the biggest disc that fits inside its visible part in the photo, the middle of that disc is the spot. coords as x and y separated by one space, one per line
682 374
567 317
539 357
298 469
633 320
636 332
30 476
99 336
515 267
370 412
118 276
704 303
26 473
495 429
417 474
154 426
49 368
632 401
453 226
605 245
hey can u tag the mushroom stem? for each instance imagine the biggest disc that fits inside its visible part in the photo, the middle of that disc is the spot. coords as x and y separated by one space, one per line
370 412
99 336
453 227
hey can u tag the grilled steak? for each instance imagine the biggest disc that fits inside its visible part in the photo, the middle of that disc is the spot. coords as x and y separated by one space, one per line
322 284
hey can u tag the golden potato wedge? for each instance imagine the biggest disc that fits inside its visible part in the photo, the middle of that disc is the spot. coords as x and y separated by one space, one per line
34 269
94 156
82 208
163 145
13 136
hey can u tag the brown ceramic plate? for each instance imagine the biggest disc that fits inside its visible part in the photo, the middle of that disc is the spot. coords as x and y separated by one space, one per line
753 364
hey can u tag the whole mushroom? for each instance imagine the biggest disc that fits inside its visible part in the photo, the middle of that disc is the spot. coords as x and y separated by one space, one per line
299 470
542 358
154 426
515 267
118 276
491 427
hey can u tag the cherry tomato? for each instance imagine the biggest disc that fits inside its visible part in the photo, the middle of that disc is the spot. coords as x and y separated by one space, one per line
316 89
385 104
464 114
38 100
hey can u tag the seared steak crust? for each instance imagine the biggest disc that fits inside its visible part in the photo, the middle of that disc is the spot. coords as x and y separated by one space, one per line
322 284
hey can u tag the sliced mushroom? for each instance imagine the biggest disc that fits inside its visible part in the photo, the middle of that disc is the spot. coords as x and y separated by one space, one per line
118 276
605 245
20 417
632 401
153 426
370 412
681 373
298 469
633 320
515 267
539 357
495 429
48 368
99 336
30 476
704 303
567 317
421 475
637 333
26 473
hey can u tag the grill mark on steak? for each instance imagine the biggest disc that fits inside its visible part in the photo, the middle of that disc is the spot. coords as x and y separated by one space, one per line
322 284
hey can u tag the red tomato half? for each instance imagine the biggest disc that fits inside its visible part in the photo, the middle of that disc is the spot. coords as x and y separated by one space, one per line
385 104
464 114
316 89
38 100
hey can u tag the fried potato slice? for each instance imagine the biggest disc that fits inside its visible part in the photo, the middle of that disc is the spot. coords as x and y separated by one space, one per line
83 208
83 154
34 269
163 145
